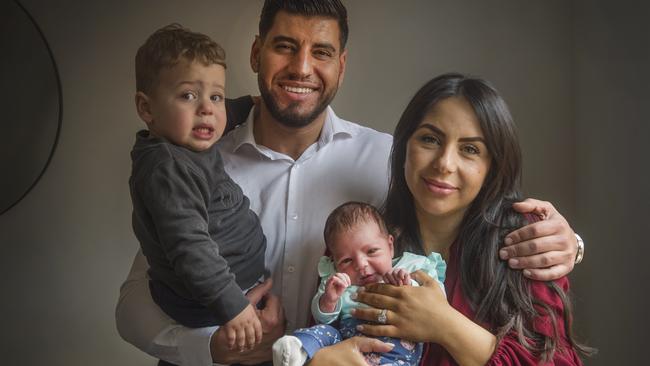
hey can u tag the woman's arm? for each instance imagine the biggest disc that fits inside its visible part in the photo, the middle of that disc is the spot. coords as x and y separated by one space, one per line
422 314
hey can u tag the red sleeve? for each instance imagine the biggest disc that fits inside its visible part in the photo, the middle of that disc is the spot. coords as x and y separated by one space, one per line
510 352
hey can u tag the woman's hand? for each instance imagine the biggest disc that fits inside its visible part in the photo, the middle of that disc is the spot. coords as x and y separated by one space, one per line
413 313
422 314
349 352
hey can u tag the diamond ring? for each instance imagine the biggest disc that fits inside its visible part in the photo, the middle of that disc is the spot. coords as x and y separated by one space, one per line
381 317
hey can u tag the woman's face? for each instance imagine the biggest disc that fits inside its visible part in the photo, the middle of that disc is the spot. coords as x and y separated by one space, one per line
446 160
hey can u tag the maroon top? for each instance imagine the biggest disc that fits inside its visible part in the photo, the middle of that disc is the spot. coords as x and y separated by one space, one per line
509 351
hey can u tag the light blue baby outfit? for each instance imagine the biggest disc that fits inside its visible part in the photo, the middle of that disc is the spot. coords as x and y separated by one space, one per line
319 336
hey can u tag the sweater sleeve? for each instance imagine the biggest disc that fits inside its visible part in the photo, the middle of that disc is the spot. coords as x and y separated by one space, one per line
510 352
175 196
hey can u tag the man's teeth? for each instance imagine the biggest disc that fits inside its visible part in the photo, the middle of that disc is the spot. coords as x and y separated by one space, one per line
293 89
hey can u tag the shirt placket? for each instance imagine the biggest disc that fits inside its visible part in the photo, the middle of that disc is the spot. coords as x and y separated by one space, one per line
291 276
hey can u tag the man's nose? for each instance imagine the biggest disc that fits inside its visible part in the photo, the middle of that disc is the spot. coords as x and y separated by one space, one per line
301 63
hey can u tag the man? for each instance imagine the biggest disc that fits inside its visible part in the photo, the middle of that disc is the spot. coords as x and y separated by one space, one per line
296 161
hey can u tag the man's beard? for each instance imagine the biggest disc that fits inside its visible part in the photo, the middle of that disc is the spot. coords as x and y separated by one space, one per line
290 116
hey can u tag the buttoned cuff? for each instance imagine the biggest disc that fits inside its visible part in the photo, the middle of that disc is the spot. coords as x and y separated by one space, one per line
194 346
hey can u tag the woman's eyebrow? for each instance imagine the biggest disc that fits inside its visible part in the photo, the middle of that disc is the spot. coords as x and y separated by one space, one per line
438 131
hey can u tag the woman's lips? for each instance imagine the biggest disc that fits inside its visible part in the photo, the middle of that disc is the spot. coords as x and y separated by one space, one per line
438 187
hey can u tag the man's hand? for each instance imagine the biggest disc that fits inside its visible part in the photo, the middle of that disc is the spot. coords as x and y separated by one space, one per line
546 249
272 319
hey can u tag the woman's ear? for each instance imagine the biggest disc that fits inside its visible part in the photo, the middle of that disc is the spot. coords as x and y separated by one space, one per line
143 106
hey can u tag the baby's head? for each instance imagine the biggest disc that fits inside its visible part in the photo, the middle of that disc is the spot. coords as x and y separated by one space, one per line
359 242
180 81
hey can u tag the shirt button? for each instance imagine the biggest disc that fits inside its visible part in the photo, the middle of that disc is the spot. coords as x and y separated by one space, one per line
291 269
294 217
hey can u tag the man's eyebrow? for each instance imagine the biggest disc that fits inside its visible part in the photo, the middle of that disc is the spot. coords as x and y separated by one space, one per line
324 45
277 39
439 132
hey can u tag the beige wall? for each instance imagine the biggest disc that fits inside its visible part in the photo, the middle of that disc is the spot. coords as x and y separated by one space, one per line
68 245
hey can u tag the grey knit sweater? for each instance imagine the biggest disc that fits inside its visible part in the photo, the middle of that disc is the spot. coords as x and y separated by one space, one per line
194 225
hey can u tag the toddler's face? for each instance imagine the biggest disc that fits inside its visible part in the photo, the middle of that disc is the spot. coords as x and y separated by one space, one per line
364 253
187 105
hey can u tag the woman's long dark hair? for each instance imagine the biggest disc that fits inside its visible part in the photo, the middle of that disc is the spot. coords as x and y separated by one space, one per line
499 295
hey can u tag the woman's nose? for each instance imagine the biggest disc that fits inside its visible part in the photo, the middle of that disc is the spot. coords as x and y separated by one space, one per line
445 160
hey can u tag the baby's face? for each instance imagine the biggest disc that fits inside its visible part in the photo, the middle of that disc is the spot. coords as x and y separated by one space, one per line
364 253
187 105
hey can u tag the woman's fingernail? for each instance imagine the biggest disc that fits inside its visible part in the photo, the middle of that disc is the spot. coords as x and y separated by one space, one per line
503 254
513 262
508 240
527 273
353 296
353 311
360 328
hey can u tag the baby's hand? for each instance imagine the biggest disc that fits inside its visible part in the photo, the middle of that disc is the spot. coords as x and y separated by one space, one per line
398 277
334 289
244 331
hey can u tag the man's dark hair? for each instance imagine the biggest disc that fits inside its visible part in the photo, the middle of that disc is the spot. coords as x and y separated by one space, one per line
311 8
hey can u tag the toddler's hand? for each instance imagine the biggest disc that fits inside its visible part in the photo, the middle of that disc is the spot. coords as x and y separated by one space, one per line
244 331
334 289
398 277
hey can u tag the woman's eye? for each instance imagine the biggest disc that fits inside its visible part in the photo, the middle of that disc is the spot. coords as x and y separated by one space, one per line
471 149
429 139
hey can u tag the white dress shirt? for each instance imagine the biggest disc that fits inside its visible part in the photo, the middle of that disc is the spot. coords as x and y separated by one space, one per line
293 198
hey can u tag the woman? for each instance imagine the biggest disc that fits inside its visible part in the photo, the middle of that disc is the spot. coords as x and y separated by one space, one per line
456 167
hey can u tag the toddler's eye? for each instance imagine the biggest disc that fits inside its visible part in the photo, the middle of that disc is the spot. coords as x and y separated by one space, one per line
216 98
188 96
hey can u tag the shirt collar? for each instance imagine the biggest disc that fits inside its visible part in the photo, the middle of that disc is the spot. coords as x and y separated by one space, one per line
333 127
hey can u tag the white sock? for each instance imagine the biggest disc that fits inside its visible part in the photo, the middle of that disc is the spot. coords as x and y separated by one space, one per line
287 351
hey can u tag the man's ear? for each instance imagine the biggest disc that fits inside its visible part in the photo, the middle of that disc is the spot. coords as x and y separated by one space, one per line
343 58
255 54
143 106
